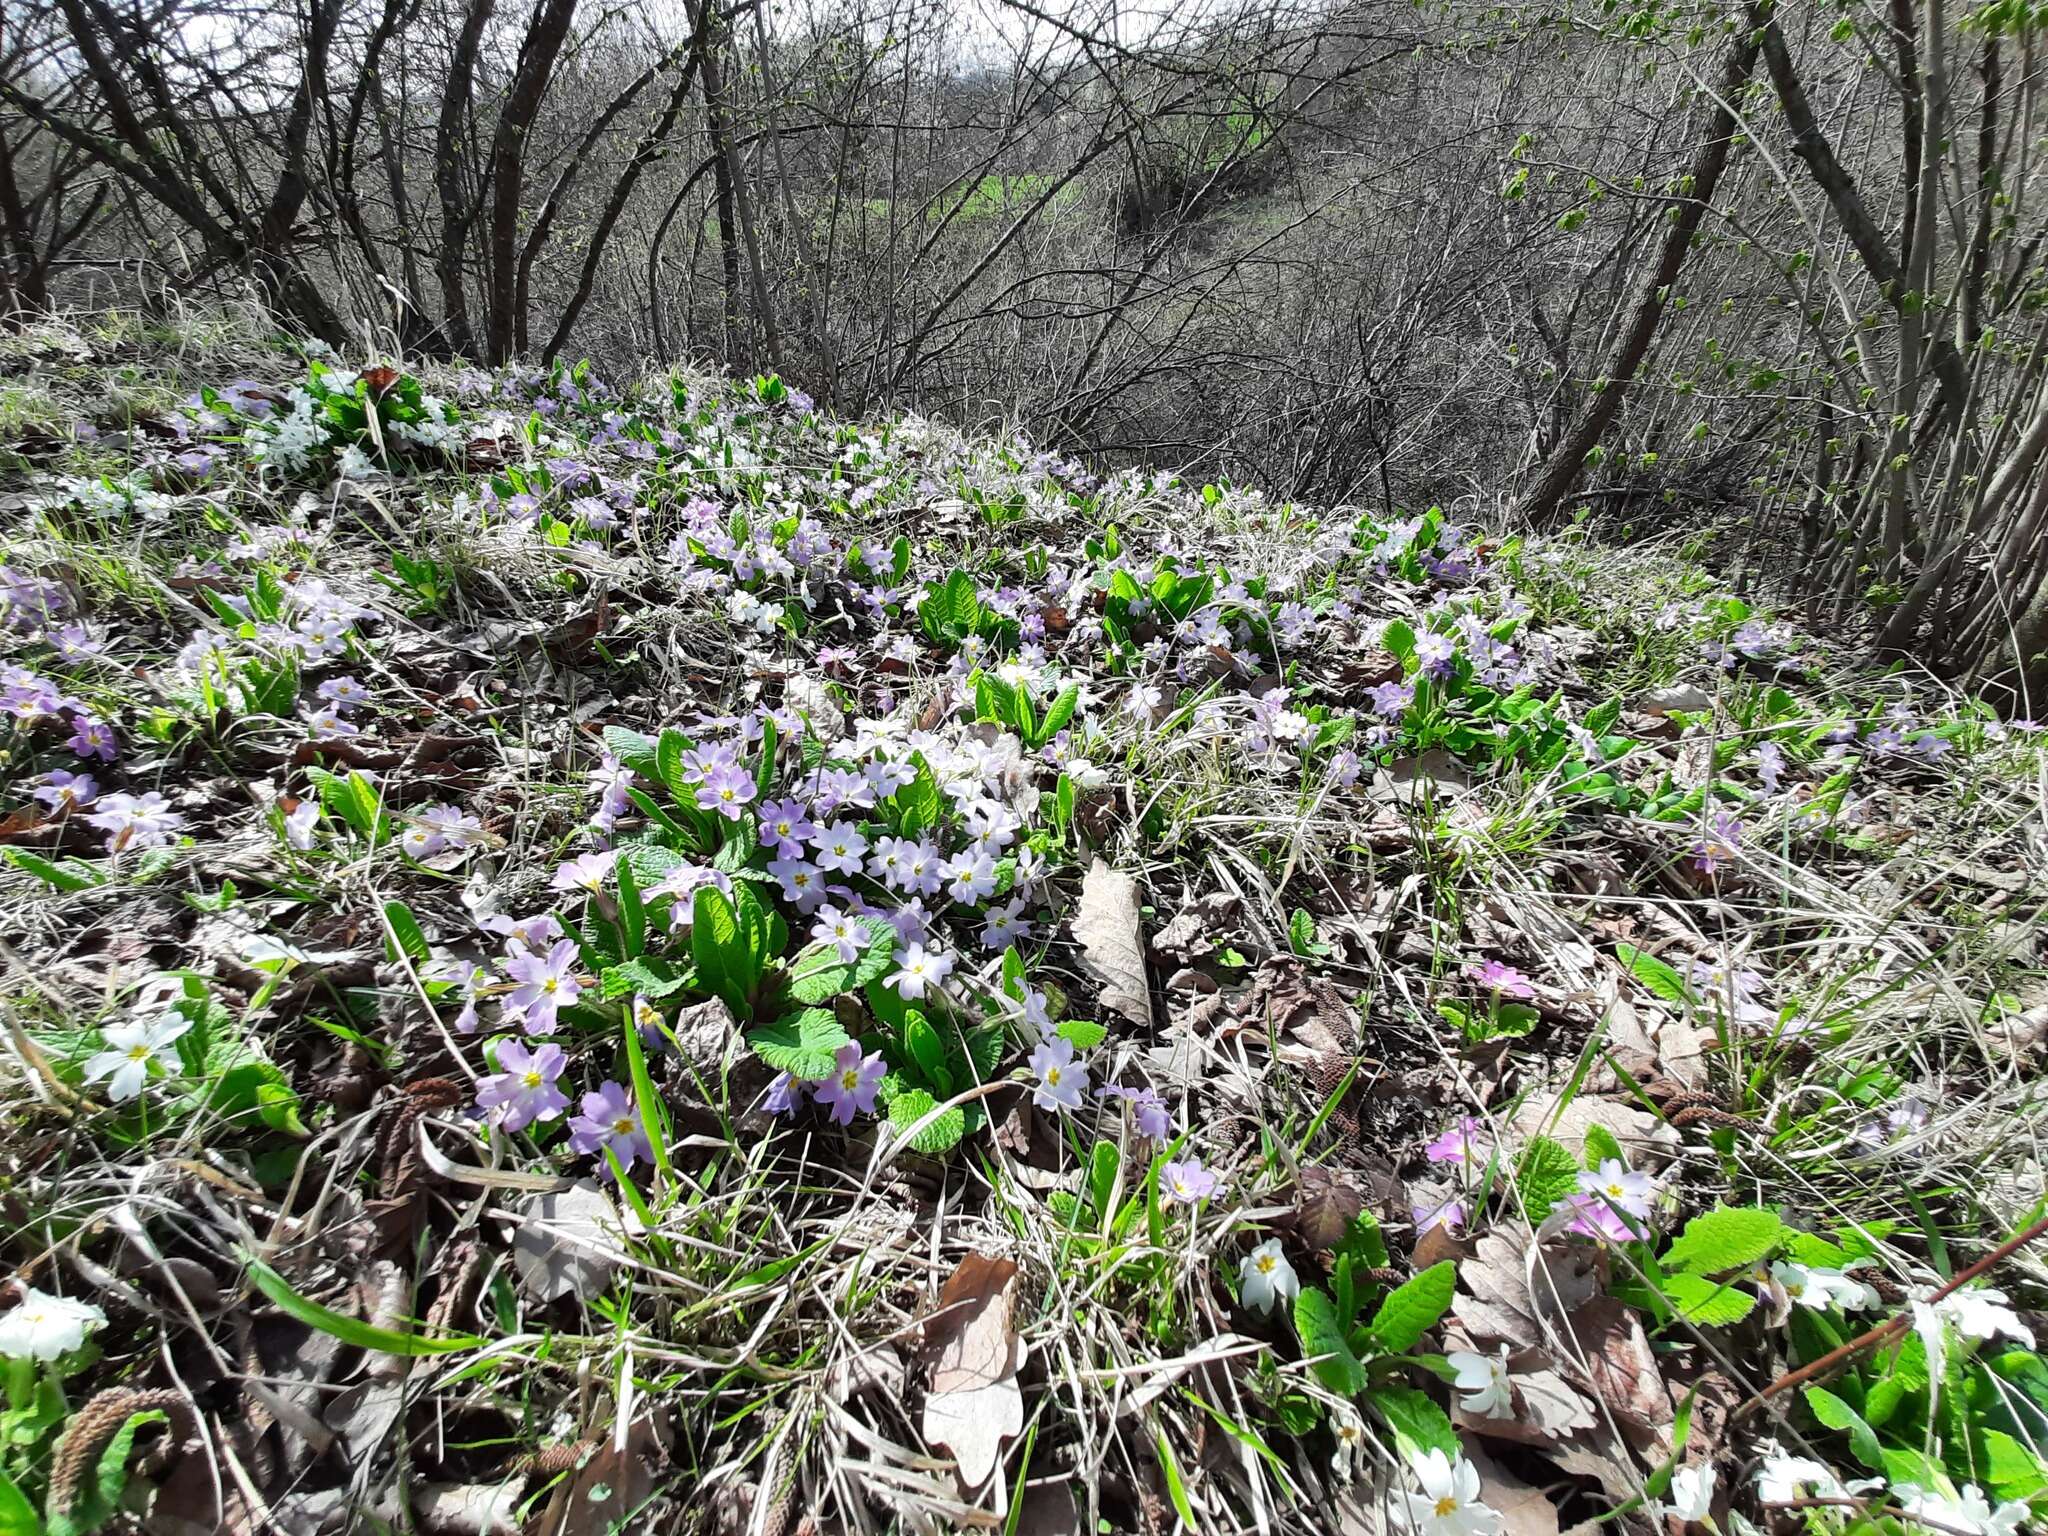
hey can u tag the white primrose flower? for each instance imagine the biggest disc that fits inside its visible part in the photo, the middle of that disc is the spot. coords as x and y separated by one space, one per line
43 1327
1968 1510
1692 1493
1449 1502
1267 1278
1820 1288
130 1048
1485 1380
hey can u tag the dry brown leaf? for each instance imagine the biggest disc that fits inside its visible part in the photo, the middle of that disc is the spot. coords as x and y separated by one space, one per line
1597 1454
567 1241
1524 1509
1428 775
1551 1405
1624 1370
1107 928
611 1486
470 1509
1324 1207
1517 1295
974 1403
1642 1136
1660 702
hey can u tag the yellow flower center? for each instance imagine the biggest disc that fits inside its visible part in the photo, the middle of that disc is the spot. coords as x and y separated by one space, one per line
1615 1191
1052 1077
1266 1263
1446 1506
138 1053
549 985
623 1126
534 1080
850 1079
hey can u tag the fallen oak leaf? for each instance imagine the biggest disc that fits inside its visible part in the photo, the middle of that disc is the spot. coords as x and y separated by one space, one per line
973 1403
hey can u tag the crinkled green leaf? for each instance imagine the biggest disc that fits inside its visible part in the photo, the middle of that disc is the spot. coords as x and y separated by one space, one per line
1413 1308
800 1043
1709 1302
941 1136
1724 1239
1082 1034
647 976
817 973
1317 1326
1418 1424
1544 1174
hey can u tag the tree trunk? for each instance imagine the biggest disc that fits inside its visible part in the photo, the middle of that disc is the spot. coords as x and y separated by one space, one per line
1686 210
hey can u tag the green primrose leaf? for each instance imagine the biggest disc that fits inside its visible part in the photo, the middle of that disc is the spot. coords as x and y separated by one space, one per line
1710 1302
1837 1414
1544 1175
939 1137
1659 979
1413 1308
1418 1424
1321 1332
801 1043
817 973
1725 1239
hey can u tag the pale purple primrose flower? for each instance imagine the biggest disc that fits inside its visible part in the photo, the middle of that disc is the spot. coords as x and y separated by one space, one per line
918 970
851 1086
726 790
1187 1182
546 982
1392 698
344 693
585 872
785 828
1770 766
1062 1081
136 821
330 725
610 1120
1149 1115
1448 1214
62 791
785 1095
848 935
300 824
523 1089
1718 845
840 847
92 738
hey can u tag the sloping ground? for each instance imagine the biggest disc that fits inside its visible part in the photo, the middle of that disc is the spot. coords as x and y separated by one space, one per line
584 959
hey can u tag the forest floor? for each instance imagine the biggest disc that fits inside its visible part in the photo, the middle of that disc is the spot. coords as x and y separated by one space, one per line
586 956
